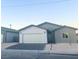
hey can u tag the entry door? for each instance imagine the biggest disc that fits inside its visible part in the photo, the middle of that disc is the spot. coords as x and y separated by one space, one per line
49 36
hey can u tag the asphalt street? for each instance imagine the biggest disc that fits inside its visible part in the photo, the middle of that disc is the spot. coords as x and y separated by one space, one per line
23 54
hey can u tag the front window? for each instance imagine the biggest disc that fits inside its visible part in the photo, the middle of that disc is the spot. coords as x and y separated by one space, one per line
65 35
76 32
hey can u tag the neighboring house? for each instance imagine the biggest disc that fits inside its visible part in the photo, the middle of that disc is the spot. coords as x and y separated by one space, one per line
9 35
47 33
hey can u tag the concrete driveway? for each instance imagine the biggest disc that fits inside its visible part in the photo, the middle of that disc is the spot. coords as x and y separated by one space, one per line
28 46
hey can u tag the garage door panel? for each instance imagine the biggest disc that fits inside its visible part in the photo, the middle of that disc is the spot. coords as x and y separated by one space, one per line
11 37
34 38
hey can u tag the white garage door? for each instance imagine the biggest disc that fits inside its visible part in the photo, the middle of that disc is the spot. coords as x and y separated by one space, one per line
34 38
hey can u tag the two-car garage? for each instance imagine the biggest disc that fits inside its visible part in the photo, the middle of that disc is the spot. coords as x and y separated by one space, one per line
33 34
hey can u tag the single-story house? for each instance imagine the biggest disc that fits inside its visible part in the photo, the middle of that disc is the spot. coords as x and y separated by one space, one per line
47 33
9 35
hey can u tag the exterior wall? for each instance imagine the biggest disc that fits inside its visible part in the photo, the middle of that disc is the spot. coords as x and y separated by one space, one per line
72 38
4 36
33 30
1 38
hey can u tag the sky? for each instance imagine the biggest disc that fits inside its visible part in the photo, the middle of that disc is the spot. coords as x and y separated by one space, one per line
21 13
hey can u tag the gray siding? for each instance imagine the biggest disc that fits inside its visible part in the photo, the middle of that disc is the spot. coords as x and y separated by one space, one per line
4 35
72 38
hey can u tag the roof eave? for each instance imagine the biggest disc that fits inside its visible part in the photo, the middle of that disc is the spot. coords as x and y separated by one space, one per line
30 26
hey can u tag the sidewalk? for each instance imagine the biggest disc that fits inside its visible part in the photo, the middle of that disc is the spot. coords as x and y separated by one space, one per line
5 45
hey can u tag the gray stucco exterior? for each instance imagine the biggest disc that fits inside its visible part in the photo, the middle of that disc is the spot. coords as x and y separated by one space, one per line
9 35
72 38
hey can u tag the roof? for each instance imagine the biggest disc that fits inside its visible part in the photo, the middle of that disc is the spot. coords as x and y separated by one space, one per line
65 27
60 26
49 28
71 27
8 29
30 26
49 23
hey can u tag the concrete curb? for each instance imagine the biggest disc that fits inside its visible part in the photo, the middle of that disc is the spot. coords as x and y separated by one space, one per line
62 54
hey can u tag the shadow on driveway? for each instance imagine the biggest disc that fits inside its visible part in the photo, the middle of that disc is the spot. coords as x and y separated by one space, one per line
27 46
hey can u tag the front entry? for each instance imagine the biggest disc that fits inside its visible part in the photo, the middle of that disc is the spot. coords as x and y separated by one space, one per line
50 37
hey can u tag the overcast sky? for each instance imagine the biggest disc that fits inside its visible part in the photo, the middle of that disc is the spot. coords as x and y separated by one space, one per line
21 13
